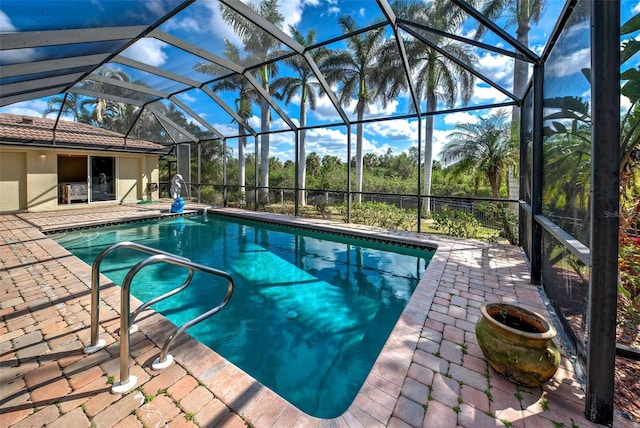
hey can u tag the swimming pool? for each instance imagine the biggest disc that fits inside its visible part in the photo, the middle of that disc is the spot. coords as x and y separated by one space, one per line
310 312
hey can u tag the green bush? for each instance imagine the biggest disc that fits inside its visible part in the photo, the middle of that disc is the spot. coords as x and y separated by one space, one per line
460 224
321 205
210 196
505 218
381 215
236 200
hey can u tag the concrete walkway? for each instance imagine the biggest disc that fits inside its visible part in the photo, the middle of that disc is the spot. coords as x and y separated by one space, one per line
431 372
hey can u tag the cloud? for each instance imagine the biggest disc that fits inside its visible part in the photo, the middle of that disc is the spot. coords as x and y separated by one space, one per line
6 26
454 119
325 112
187 98
327 141
394 130
440 139
290 9
254 122
483 94
227 129
498 68
33 108
14 56
572 63
148 51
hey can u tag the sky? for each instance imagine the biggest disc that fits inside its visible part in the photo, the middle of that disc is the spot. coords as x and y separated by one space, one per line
203 26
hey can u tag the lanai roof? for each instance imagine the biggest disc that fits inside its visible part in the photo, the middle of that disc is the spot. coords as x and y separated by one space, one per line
76 50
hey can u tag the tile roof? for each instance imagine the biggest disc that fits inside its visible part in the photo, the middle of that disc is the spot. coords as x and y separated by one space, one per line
15 128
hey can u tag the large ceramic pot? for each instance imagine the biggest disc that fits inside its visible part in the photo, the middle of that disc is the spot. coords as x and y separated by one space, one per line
518 343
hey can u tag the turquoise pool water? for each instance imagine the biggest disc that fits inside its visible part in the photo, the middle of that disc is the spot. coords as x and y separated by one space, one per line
310 312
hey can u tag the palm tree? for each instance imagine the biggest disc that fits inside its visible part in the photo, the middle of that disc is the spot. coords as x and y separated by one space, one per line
357 70
520 13
305 83
630 126
69 106
484 146
261 47
104 111
236 83
438 79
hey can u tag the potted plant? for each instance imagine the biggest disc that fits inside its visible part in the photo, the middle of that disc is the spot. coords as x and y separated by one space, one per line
518 343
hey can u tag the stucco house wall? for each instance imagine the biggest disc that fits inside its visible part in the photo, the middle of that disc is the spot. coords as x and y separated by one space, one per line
29 175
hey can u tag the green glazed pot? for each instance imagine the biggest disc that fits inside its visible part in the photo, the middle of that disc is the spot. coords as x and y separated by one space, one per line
518 344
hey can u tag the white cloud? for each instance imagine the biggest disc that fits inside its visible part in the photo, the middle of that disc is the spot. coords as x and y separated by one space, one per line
33 108
13 56
186 97
440 138
571 63
333 11
327 141
498 68
188 23
378 109
254 122
636 8
454 119
483 94
290 9
325 111
18 56
394 130
148 51
6 26
228 128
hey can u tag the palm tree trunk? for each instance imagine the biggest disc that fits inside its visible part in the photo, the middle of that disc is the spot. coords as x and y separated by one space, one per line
302 156
520 77
359 130
428 150
264 151
242 144
494 182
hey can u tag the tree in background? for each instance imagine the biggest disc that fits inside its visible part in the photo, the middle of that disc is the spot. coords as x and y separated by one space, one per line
70 106
521 13
306 84
356 70
437 77
235 83
261 47
482 146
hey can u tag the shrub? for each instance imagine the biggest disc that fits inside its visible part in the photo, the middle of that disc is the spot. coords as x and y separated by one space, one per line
321 203
208 195
460 224
236 200
381 215
506 219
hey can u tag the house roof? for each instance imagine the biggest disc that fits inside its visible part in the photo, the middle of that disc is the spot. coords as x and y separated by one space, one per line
37 131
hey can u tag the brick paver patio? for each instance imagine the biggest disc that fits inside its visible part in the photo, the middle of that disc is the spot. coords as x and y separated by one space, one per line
431 372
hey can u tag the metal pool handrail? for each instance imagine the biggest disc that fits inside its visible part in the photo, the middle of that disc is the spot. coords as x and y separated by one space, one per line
96 343
127 382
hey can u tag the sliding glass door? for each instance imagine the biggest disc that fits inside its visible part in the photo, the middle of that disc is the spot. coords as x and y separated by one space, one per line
102 178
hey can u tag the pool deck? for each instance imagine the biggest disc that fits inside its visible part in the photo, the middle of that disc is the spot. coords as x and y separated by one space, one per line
431 372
